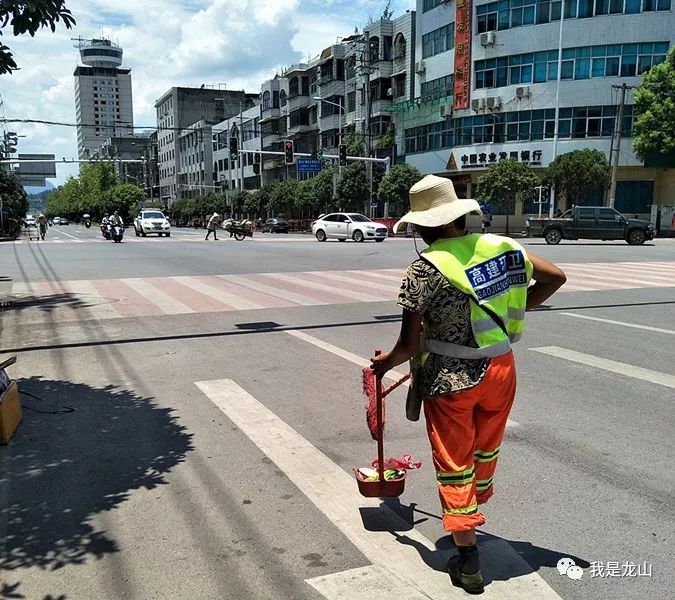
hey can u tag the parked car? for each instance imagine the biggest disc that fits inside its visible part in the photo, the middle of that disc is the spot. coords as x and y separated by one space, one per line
342 226
30 221
56 220
63 221
152 221
590 223
275 226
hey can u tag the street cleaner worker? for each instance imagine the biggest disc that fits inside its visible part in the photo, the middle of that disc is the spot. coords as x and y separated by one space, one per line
467 295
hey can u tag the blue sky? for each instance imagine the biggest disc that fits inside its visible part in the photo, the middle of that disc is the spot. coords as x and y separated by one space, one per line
167 43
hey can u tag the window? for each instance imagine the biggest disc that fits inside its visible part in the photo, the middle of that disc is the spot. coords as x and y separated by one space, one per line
399 47
266 101
351 101
438 41
293 87
437 88
282 98
584 62
374 45
399 86
427 5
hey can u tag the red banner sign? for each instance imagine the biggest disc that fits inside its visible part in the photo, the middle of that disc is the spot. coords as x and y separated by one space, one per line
462 85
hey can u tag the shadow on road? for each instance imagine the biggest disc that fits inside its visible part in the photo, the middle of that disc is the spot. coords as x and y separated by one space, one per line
436 558
60 470
44 303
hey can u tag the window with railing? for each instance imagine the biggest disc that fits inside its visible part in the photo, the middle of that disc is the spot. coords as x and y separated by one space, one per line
437 88
612 60
438 41
515 126
508 14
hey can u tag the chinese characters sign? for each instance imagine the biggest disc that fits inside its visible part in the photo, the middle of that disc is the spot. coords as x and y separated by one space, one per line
494 277
462 53
482 159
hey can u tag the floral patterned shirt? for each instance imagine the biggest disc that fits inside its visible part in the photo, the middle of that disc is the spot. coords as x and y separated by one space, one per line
446 314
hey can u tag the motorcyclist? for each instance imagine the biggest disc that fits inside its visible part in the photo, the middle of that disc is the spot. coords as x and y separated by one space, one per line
116 220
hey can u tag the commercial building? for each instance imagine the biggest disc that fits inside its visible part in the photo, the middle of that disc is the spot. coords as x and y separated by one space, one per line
126 147
194 109
103 100
487 87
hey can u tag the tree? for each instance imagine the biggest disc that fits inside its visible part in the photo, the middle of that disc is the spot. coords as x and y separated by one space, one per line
125 198
353 191
577 174
654 126
29 17
305 199
395 186
14 197
506 182
322 185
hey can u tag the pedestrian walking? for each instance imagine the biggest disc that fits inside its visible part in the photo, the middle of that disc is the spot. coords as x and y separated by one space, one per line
468 294
42 227
486 220
211 226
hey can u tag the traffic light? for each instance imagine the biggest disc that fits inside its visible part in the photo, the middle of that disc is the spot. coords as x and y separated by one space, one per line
11 141
343 155
319 154
289 157
234 151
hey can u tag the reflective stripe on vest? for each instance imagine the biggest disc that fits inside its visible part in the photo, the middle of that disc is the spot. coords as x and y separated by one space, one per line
495 272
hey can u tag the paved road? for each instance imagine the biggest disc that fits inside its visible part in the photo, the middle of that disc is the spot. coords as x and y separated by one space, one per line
217 416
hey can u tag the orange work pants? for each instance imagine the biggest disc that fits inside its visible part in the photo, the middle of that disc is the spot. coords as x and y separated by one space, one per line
465 430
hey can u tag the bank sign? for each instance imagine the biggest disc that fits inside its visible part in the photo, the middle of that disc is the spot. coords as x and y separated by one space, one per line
482 160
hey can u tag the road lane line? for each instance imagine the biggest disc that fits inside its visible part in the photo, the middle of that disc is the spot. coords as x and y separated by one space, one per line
70 236
621 323
257 285
356 359
334 492
168 305
230 300
609 365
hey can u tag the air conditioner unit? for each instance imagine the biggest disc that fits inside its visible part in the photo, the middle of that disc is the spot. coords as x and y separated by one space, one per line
390 92
446 111
488 38
523 92
478 104
420 67
494 102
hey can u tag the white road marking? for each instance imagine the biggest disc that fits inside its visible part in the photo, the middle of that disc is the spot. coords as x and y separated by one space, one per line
609 365
236 302
163 301
272 291
334 492
356 359
70 236
621 323
98 306
298 281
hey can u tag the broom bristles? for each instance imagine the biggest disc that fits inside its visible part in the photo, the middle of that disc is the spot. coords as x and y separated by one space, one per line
371 408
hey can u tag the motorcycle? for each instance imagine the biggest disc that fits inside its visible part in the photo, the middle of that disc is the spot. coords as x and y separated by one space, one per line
105 231
240 230
117 233
87 221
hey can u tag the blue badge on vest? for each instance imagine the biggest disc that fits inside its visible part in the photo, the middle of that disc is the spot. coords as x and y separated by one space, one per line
494 276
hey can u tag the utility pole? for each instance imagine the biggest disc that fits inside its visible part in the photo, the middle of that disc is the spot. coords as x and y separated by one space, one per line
241 144
616 146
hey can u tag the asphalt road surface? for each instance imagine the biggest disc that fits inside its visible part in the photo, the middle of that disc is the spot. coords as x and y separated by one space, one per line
193 413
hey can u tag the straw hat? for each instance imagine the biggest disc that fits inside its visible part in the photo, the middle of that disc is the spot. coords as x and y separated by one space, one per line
434 202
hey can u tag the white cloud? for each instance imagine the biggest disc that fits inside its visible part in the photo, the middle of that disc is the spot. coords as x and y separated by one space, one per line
187 43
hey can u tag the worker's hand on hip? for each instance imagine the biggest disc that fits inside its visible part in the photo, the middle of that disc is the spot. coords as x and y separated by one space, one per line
381 363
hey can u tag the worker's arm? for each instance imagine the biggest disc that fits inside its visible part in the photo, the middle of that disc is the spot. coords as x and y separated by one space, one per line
407 345
547 279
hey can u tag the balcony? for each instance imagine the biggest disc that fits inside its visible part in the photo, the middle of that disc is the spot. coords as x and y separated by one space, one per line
271 112
400 65
296 102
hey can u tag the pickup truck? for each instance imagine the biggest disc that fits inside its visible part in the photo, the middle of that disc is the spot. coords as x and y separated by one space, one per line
590 223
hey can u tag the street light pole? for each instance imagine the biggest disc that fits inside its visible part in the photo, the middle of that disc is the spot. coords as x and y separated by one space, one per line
556 126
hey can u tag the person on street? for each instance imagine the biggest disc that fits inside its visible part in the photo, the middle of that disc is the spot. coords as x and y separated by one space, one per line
115 220
42 227
486 220
211 226
464 303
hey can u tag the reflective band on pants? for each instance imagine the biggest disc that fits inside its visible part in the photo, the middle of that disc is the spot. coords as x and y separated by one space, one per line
465 431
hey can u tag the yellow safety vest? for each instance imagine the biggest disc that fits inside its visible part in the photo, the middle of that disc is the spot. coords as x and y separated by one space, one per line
495 272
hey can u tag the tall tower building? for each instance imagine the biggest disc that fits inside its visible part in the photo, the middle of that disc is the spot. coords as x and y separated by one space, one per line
103 103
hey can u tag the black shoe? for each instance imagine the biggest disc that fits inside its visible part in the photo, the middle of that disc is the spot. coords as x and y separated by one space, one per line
470 583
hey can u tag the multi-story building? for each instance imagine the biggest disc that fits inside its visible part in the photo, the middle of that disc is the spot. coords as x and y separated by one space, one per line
182 108
487 87
103 102
245 172
127 147
348 89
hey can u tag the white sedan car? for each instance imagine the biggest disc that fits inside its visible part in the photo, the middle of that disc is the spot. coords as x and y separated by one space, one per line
152 221
342 226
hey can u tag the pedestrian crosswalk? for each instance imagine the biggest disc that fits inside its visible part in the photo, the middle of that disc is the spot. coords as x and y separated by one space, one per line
60 301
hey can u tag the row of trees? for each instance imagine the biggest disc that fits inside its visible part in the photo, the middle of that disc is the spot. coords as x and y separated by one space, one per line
95 192
14 201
